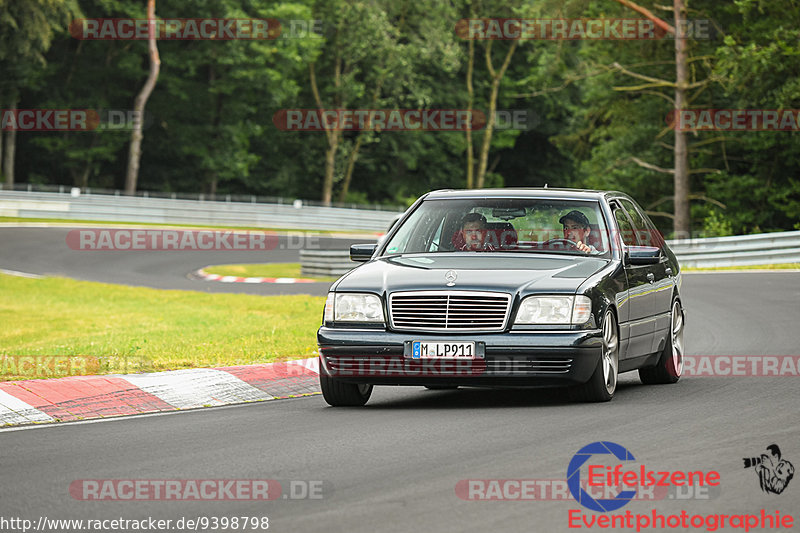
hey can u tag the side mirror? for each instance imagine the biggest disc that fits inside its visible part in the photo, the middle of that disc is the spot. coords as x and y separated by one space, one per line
643 255
362 252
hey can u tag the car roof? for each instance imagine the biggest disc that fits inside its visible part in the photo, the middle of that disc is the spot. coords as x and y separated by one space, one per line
523 192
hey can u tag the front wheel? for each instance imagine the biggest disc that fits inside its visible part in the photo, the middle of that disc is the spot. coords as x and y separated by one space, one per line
603 383
670 365
339 394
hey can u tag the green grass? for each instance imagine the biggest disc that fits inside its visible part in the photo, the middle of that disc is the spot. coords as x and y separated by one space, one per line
785 266
263 270
132 329
162 225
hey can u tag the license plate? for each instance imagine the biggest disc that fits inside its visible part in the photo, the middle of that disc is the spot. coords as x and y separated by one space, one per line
442 350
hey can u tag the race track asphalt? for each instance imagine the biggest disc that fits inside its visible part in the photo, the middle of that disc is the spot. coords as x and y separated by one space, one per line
394 464
45 251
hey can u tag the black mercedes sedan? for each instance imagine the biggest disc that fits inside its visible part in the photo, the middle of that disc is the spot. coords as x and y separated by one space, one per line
506 288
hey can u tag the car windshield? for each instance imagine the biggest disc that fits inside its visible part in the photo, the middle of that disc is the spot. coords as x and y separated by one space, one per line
527 225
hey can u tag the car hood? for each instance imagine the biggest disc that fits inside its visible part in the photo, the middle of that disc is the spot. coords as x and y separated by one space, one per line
500 272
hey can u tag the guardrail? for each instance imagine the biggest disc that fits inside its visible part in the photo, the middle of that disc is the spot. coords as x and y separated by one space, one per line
295 215
246 198
325 262
743 250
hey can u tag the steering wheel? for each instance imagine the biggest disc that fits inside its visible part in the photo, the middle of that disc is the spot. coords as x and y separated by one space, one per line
568 242
485 247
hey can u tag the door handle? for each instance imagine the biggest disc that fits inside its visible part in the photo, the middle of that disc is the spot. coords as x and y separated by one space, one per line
668 271
651 277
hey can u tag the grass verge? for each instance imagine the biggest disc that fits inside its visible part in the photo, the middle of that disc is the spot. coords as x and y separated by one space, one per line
139 329
263 270
785 266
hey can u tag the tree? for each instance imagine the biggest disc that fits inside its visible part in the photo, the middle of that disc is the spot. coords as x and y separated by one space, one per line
599 105
681 221
26 31
758 69
376 54
494 73
135 151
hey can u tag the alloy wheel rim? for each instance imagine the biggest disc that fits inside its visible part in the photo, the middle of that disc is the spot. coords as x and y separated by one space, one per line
610 360
677 339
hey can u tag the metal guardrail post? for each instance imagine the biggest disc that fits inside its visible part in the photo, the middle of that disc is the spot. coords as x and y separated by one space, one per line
325 262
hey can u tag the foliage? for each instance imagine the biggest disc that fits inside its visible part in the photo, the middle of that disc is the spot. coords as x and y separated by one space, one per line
716 225
210 126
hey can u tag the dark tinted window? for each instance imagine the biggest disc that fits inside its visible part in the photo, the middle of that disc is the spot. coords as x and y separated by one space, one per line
645 235
625 229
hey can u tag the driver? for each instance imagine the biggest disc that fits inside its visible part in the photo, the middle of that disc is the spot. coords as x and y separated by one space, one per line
577 229
473 231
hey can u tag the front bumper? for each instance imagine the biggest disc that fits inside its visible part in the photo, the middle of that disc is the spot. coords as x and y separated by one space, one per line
519 359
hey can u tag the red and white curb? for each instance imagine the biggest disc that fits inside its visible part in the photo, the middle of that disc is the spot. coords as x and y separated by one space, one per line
87 397
237 279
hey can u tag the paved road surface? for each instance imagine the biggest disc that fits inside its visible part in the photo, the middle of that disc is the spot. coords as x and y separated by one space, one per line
394 465
45 251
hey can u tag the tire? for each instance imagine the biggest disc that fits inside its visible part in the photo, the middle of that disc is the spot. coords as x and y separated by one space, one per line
603 383
339 394
441 387
670 365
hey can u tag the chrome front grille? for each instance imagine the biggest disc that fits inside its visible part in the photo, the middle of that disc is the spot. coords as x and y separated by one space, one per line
453 311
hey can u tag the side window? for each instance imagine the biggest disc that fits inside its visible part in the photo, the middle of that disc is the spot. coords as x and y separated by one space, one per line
414 235
625 228
644 235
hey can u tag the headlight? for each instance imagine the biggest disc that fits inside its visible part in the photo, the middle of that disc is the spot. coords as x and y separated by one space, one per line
354 307
554 310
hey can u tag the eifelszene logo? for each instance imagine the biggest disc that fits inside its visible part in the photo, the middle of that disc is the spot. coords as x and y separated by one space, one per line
601 475
574 476
774 473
